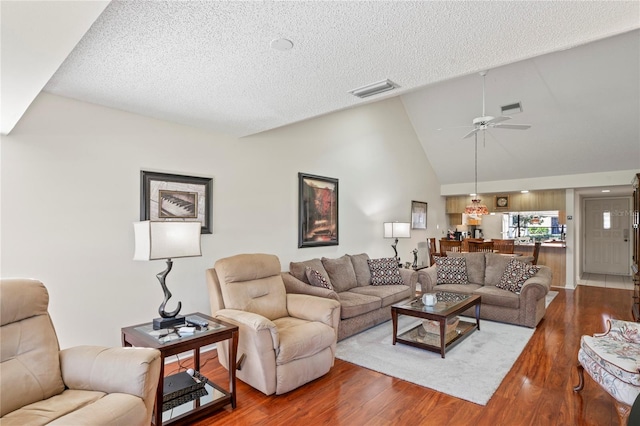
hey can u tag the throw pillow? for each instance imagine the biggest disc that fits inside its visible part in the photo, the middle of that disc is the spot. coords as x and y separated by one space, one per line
475 266
451 270
515 274
298 269
317 279
385 271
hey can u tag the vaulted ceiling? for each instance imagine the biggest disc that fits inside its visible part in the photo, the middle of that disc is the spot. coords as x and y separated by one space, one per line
574 66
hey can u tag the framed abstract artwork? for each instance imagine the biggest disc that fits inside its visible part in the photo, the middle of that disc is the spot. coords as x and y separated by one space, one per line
317 211
418 215
168 197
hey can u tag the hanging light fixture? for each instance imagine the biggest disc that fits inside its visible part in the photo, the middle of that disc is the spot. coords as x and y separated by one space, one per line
476 208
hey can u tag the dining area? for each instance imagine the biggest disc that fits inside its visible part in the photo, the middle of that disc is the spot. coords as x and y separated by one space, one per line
474 245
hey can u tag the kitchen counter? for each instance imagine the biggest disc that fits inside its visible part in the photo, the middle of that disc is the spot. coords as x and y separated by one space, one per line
553 255
545 244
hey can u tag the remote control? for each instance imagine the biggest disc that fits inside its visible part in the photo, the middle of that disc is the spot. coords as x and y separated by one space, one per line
196 321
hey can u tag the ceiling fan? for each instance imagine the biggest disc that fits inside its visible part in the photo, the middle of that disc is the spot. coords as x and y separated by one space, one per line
487 121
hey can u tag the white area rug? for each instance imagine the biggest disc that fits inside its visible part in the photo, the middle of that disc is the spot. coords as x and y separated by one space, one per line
472 370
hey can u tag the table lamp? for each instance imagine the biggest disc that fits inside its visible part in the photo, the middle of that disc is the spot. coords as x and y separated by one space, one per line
166 240
397 230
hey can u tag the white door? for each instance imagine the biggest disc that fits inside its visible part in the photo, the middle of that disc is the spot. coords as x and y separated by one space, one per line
606 244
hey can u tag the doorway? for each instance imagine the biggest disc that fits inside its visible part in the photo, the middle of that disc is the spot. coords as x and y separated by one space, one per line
607 236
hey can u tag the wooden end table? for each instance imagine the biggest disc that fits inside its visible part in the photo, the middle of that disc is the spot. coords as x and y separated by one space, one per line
169 342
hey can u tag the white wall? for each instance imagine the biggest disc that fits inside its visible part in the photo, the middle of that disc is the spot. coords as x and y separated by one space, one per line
70 182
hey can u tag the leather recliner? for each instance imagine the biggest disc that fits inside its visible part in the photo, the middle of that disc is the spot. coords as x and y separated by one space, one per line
285 340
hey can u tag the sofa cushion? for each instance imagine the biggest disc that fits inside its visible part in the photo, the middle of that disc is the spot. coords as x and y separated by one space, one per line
451 270
475 265
301 338
361 266
389 294
620 358
353 304
317 279
492 295
341 273
457 288
297 269
515 274
496 264
385 271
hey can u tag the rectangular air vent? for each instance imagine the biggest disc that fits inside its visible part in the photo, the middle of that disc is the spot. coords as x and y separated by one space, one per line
373 88
514 108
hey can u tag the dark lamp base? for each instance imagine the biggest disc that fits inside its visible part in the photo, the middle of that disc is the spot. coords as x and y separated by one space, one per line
160 323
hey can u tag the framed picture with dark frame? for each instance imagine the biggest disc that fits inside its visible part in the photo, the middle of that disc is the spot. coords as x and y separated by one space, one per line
317 211
168 197
418 215
502 202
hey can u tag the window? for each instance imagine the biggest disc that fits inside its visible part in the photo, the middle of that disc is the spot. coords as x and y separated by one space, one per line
535 225
606 220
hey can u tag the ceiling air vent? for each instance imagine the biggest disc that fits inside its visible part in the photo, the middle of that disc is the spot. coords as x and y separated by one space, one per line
510 109
373 88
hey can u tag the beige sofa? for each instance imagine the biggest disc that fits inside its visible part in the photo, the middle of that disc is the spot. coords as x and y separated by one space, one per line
84 385
484 271
362 305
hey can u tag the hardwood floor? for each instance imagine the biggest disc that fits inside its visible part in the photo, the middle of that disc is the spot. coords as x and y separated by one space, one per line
537 390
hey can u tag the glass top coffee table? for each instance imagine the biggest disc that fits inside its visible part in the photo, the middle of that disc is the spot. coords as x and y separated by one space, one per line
442 313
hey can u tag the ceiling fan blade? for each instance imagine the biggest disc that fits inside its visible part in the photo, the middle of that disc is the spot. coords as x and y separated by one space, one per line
498 119
471 133
512 126
453 127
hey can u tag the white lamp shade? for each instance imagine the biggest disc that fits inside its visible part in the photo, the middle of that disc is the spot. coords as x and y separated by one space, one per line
397 230
166 240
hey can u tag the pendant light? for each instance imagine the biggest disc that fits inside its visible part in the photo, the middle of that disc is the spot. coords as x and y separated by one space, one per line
476 208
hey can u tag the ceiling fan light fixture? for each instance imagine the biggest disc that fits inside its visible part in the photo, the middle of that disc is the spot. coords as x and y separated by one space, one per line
374 88
514 108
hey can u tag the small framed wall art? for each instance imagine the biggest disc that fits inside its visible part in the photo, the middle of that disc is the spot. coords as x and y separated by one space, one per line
418 215
168 197
317 211
502 202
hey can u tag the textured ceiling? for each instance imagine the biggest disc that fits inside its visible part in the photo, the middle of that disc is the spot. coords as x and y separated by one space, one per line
573 65
209 64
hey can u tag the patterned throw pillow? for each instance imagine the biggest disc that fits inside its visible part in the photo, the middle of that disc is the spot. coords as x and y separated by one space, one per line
515 274
451 270
384 271
317 279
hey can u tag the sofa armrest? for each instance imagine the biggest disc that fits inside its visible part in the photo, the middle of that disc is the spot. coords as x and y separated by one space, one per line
537 286
410 278
133 371
250 324
428 278
313 308
295 286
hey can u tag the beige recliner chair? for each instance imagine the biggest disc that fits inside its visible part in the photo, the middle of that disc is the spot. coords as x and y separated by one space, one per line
285 340
85 385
